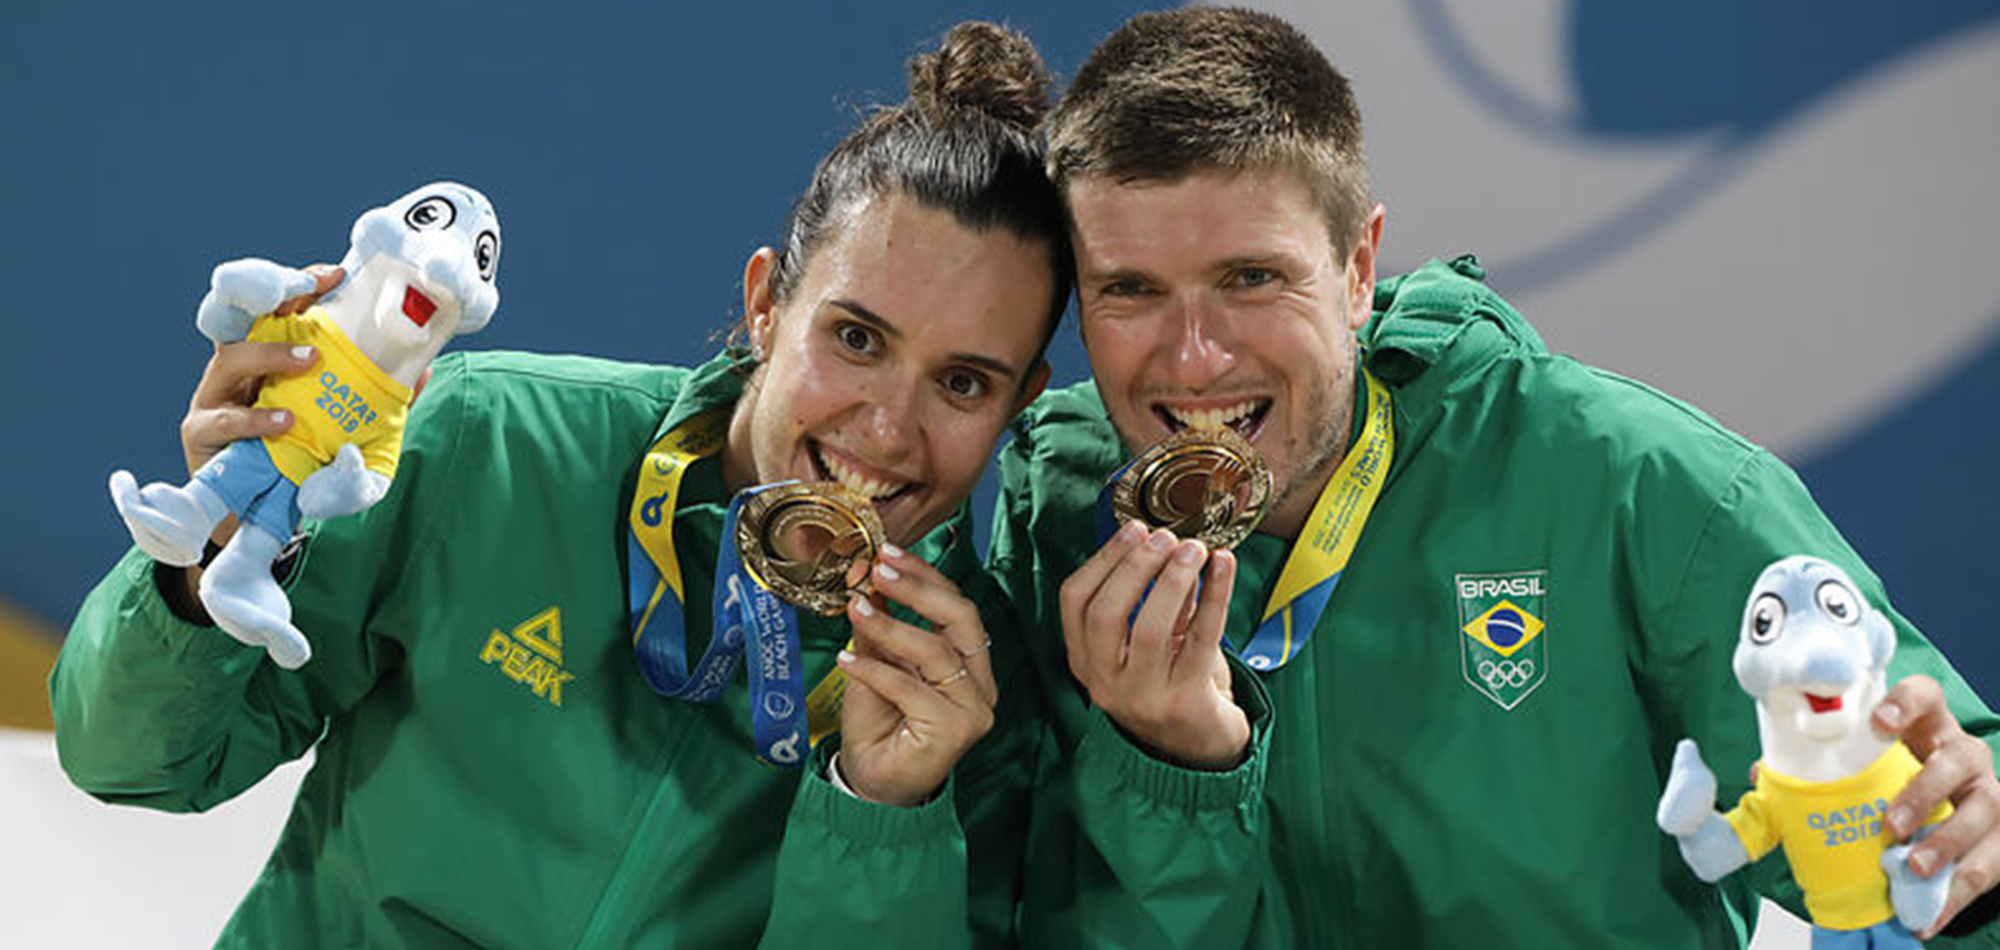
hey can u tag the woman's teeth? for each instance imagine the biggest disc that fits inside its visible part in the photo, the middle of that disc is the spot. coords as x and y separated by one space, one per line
874 489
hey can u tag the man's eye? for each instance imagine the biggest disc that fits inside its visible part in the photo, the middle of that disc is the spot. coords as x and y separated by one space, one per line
1255 277
1123 288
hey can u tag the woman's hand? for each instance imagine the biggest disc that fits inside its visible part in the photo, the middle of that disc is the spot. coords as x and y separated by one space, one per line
220 411
916 699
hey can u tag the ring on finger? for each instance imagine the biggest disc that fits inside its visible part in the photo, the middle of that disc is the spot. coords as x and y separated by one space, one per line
962 673
975 651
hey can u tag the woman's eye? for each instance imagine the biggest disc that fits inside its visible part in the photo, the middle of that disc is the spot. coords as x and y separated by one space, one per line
856 337
965 385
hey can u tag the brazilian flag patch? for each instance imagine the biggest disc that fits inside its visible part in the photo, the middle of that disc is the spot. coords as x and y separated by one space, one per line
1503 633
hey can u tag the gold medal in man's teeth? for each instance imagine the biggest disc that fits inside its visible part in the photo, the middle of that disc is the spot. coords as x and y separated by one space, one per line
1206 484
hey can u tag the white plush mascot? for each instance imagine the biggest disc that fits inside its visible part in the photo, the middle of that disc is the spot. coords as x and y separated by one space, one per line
1815 656
419 272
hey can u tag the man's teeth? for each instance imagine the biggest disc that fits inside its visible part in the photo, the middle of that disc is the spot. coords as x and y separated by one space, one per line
1212 418
873 488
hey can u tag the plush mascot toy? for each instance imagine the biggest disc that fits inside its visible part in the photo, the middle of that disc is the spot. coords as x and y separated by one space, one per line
1815 656
419 272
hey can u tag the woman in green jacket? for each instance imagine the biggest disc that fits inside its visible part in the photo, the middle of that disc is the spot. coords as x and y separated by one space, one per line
492 768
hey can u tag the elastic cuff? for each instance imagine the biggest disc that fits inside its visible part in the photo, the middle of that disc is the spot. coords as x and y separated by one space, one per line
843 814
1105 755
146 607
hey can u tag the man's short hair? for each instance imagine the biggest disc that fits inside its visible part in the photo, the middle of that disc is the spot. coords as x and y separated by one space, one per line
1178 92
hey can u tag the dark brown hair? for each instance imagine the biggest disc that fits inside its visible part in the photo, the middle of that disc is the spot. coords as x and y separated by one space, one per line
963 143
1190 90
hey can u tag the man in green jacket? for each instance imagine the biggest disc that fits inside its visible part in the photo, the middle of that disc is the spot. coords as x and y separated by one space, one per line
1448 729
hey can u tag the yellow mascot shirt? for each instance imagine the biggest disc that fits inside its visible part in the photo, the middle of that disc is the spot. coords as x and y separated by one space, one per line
344 398
1832 833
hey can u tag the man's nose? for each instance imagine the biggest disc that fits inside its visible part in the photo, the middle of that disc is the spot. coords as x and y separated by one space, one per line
1200 348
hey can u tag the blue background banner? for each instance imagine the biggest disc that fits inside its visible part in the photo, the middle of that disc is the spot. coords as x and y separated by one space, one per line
1785 222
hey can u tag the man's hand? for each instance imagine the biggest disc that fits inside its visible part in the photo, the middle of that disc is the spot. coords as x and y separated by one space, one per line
916 699
1159 673
1958 768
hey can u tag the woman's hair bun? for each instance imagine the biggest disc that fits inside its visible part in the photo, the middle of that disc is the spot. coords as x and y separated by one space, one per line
983 67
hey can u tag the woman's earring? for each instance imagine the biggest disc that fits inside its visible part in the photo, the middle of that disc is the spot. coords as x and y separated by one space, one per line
757 352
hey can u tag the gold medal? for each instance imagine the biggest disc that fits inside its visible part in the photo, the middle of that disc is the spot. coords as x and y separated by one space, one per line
1204 484
810 543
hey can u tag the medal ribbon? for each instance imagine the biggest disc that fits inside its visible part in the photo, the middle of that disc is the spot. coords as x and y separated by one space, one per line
1320 553
742 608
654 588
776 674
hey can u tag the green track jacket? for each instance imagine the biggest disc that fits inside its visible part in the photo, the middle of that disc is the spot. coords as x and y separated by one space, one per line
491 769
1409 786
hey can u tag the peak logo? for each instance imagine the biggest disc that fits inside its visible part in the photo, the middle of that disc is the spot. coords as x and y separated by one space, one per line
1503 633
531 655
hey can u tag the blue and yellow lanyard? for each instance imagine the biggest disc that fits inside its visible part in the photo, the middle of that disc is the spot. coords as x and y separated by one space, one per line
784 722
1324 544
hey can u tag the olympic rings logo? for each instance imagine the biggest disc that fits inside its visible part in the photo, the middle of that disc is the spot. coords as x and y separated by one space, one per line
1506 673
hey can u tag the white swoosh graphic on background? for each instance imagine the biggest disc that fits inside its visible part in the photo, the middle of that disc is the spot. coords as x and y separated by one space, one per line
1797 286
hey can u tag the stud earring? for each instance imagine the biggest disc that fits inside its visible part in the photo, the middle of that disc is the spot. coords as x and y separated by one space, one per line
757 352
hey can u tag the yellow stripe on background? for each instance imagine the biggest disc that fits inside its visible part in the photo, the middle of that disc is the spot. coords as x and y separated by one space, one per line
27 653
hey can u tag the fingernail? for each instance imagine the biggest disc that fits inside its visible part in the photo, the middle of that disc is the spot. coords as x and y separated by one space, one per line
890 550
1130 531
1890 714
863 607
1189 553
1899 820
1160 540
1923 861
302 353
887 573
280 417
844 658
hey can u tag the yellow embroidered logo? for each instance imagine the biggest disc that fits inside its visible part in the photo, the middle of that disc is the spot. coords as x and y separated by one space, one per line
532 655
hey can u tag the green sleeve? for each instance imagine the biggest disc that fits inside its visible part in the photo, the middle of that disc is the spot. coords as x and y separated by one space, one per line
1129 851
152 710
946 874
1123 850
854 873
1765 513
